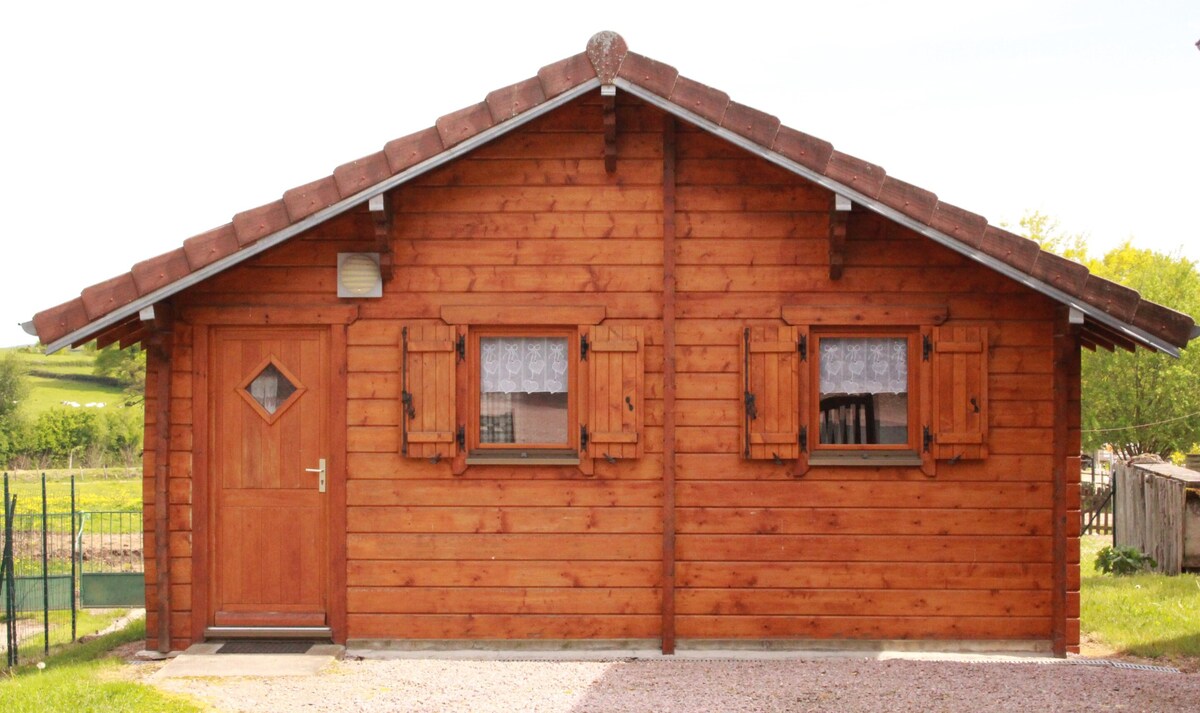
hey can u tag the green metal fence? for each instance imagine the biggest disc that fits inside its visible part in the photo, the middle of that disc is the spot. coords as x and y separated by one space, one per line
53 564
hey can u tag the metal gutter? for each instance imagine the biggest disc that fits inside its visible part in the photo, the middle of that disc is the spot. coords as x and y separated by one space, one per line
979 256
264 244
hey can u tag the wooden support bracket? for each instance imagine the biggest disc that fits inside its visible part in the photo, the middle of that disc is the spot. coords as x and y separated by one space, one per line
381 211
608 94
838 218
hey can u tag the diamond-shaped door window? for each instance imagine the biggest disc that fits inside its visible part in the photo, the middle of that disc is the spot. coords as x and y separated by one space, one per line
271 389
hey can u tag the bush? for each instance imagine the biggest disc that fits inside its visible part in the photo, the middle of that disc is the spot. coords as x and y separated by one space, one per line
1123 560
78 436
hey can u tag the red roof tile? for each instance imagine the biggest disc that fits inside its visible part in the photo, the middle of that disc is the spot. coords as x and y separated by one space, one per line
412 149
53 323
959 224
1010 248
702 100
608 58
808 151
565 75
104 297
649 74
515 99
866 178
303 201
916 203
456 127
361 174
160 271
1117 300
760 127
257 223
1176 327
206 248
1059 272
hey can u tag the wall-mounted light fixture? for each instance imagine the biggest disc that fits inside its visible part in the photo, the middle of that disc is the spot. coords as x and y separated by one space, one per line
358 275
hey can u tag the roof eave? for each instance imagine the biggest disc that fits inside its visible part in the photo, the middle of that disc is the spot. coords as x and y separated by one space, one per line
115 317
1137 334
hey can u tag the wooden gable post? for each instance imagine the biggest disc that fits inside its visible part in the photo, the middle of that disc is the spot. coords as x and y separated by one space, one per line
838 219
381 211
608 94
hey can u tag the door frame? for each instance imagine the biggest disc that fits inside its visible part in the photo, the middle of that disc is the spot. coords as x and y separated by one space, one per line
334 318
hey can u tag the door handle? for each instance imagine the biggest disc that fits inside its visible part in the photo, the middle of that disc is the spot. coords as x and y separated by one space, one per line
320 470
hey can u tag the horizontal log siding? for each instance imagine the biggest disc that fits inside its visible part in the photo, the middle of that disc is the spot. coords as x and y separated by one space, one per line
546 553
875 553
511 552
179 494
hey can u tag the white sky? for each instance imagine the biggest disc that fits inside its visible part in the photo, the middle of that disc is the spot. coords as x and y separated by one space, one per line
127 127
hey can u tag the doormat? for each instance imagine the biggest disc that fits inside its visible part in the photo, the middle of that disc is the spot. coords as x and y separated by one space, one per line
266 646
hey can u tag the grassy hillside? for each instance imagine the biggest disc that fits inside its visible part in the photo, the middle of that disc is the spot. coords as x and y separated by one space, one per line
65 376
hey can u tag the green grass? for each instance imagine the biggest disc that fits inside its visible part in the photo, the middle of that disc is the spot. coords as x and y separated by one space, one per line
93 492
66 361
87 623
80 679
46 392
1150 615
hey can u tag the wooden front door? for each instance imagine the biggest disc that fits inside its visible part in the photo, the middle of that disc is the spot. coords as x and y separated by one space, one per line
269 420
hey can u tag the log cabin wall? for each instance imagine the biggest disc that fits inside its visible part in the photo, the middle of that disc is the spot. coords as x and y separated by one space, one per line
503 552
845 552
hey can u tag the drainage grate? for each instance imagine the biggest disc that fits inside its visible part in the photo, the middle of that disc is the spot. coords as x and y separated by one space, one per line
265 646
1144 667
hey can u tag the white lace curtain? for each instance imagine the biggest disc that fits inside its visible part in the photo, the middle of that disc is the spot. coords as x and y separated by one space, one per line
523 364
858 365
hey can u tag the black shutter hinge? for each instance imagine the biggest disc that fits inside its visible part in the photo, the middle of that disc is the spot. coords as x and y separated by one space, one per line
461 437
751 406
926 347
804 439
583 438
802 347
407 399
927 438
461 347
584 345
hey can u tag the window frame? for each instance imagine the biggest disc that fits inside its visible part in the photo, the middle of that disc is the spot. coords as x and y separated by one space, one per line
475 449
865 451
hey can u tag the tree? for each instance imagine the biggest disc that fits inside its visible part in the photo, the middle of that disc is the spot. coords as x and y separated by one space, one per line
1049 235
1143 401
14 386
127 366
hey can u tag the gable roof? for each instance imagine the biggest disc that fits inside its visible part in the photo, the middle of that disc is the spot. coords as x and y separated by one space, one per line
1111 314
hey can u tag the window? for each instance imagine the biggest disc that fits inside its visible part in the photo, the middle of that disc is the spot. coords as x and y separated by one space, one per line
523 390
875 394
863 387
505 387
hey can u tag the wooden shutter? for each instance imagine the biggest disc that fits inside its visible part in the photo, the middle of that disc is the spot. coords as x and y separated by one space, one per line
616 381
960 402
428 387
772 394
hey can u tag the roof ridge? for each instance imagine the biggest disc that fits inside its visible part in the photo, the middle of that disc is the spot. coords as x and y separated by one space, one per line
608 59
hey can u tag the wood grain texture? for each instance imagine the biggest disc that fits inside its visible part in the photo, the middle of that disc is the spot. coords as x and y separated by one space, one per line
686 245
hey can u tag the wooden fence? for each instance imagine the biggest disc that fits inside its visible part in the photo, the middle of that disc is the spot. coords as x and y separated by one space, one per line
1159 504
1095 498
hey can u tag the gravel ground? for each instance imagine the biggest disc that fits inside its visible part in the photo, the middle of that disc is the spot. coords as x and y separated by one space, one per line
663 686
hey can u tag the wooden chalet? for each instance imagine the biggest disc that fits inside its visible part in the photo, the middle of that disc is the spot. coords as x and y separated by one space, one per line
610 357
